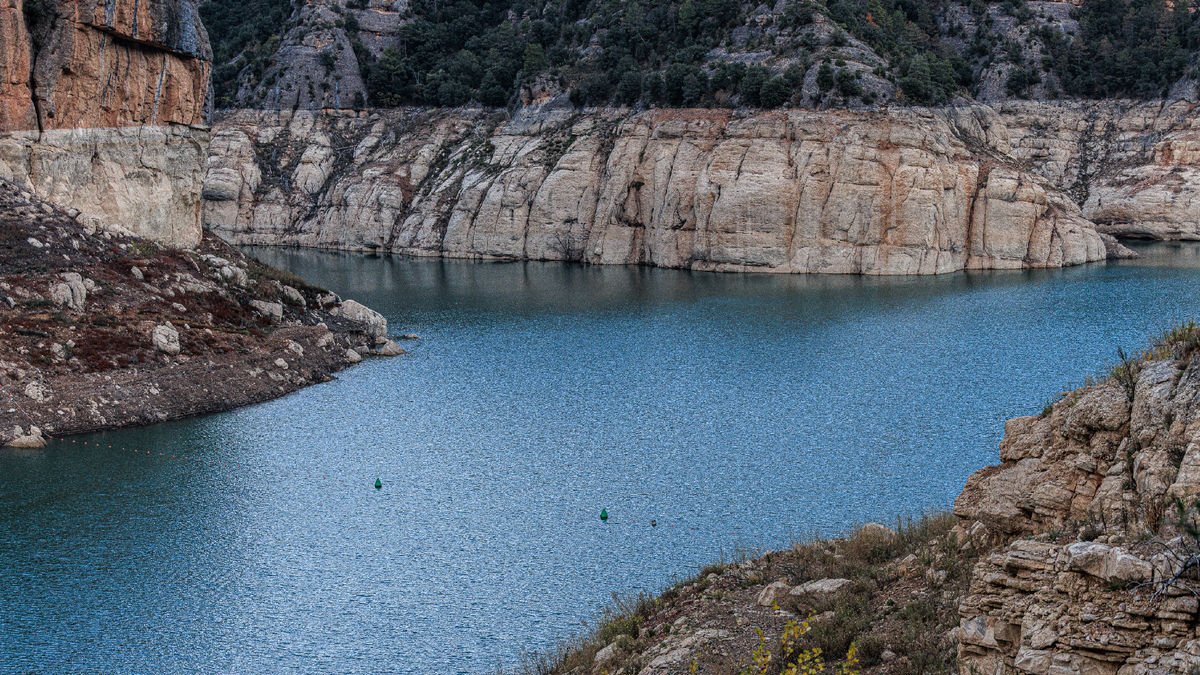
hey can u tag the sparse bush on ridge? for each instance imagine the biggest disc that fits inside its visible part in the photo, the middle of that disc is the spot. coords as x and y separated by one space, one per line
841 633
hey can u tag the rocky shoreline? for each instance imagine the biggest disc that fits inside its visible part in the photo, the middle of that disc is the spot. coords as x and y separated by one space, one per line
101 330
1079 553
897 190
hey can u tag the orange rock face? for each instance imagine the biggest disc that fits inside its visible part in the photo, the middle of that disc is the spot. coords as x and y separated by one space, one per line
103 64
16 99
103 109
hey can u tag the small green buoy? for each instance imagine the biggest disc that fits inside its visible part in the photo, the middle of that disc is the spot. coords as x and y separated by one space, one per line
378 484
604 515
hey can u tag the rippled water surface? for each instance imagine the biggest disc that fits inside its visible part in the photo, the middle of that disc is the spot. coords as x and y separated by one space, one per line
741 412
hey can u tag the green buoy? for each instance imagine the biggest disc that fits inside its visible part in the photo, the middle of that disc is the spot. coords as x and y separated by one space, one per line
604 515
378 484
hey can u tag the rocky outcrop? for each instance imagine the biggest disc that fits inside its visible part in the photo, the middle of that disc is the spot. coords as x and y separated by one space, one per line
891 192
103 108
1092 572
1078 554
316 65
146 180
1133 167
100 330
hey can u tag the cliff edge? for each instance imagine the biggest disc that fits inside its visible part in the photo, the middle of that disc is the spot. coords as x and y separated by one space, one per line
898 191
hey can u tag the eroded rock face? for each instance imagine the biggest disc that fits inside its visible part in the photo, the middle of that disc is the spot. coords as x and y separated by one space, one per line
1134 168
1083 510
892 192
103 108
16 63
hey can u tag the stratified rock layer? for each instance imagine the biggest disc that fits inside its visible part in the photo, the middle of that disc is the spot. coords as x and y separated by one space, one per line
1134 168
103 108
1083 507
892 192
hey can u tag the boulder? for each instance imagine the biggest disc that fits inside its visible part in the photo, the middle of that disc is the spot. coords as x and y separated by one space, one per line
605 655
292 296
1108 563
773 593
31 440
71 293
373 322
271 310
821 587
875 532
165 339
389 348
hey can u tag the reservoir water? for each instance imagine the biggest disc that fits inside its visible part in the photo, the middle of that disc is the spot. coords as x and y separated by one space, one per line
739 411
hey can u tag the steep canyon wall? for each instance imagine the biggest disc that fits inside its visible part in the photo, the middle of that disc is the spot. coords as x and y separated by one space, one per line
104 108
1133 167
889 192
895 191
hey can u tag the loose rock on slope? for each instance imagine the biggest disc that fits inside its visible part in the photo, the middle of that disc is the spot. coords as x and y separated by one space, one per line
86 345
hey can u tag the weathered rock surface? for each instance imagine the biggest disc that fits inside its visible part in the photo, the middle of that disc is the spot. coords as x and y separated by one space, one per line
1083 507
104 64
316 65
891 192
1134 168
103 108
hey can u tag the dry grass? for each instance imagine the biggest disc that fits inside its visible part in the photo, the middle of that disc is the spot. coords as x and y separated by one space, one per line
896 603
887 607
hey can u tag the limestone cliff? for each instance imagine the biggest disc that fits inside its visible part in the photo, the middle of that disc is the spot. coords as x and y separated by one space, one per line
103 108
900 191
1134 168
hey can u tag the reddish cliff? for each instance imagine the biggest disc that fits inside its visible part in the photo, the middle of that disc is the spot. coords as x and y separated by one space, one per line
70 64
104 107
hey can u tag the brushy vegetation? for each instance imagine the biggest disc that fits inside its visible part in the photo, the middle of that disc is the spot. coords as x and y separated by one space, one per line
244 33
794 657
915 627
892 603
660 52
645 51
1126 48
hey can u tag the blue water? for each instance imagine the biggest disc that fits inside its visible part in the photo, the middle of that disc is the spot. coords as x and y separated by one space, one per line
741 412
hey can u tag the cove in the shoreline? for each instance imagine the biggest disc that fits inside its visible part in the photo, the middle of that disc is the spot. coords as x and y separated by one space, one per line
738 410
